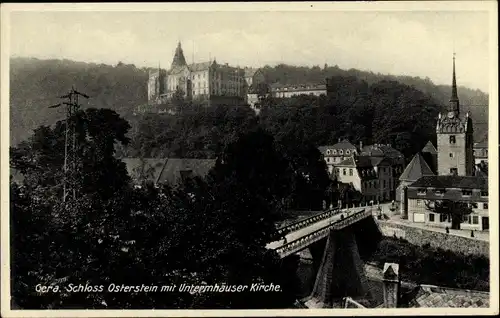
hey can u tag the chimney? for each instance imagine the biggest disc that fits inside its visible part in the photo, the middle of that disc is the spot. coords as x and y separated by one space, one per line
392 283
360 145
339 140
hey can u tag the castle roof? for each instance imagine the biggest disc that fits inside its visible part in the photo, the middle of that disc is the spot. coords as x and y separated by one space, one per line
429 148
196 67
416 169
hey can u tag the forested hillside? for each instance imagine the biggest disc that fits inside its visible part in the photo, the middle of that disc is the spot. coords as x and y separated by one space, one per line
35 85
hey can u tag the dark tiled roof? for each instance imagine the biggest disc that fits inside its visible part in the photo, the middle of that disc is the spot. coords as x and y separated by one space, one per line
416 169
442 297
176 168
444 182
429 147
381 150
151 167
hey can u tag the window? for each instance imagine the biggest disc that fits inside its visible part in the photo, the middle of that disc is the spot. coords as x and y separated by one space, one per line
337 171
452 139
431 217
341 152
453 171
334 152
443 217
475 219
466 192
328 152
347 152
439 191
485 206
421 191
328 160
344 172
465 218
350 172
451 154
484 193
473 205
384 183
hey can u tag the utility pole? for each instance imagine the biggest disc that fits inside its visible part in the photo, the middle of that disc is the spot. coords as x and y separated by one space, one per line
70 146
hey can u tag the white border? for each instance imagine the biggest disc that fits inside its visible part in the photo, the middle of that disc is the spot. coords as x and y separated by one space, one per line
490 6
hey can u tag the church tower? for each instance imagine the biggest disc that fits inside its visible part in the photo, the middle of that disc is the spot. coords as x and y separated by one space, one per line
454 138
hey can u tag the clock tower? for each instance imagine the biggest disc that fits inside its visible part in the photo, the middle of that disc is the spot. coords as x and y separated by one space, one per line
455 138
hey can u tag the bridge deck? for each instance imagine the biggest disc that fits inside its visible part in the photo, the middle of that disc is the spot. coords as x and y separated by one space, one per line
304 231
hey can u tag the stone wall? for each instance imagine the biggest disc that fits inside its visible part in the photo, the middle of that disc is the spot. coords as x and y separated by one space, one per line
419 236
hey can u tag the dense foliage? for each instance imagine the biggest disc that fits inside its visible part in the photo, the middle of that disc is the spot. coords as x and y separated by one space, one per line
428 265
211 231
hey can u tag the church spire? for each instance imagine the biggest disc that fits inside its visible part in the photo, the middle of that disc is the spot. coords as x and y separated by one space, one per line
454 103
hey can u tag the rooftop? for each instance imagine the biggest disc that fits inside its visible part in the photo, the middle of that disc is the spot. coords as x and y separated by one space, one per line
429 147
416 169
443 182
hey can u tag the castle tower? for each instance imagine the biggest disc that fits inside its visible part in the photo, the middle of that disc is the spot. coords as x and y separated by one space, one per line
179 59
454 138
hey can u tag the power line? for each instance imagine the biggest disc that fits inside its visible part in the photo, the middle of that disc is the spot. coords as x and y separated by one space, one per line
70 144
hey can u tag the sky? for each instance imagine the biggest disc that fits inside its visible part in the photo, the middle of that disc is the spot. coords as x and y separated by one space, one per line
415 43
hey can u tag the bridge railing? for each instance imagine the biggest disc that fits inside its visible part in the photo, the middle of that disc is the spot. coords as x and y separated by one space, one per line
308 221
291 247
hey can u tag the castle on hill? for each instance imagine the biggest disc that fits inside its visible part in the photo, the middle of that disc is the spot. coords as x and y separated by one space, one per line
208 81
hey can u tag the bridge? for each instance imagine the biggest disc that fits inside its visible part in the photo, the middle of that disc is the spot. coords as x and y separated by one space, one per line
339 241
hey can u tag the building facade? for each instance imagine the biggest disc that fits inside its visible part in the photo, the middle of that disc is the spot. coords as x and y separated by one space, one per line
204 81
337 153
374 177
468 189
287 91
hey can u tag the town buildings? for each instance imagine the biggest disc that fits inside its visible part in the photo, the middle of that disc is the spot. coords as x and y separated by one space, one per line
455 179
480 153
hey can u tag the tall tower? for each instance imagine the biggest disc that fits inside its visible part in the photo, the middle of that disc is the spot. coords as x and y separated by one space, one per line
454 138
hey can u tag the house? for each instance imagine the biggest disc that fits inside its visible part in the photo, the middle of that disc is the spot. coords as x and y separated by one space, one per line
373 177
337 153
167 170
389 291
428 189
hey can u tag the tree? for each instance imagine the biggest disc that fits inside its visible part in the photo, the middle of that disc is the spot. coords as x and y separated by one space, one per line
455 210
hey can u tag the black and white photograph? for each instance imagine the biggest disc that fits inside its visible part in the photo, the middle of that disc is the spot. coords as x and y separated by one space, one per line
290 158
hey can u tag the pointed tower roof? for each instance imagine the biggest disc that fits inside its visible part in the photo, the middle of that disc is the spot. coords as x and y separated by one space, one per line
416 169
454 103
179 59
429 147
